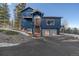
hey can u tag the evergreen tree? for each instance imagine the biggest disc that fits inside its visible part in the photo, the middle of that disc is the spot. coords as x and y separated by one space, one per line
75 31
4 14
18 9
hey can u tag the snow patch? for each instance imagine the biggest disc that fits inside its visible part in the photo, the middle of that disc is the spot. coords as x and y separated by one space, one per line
70 41
8 44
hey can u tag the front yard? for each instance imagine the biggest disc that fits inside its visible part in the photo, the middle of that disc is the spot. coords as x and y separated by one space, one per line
7 36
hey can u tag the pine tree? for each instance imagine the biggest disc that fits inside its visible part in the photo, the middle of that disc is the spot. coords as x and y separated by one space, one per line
18 9
4 14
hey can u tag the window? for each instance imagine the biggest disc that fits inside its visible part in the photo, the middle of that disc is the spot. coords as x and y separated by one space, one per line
50 22
37 20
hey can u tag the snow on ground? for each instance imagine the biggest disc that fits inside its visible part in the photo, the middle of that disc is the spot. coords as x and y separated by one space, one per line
73 35
12 40
8 44
70 41
63 36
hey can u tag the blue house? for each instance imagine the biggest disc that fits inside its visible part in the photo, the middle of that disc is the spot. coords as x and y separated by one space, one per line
38 23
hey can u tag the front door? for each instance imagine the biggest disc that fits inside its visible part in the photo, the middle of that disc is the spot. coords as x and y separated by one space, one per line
37 27
37 31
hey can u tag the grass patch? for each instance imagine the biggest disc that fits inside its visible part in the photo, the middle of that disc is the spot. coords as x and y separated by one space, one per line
8 32
2 30
11 33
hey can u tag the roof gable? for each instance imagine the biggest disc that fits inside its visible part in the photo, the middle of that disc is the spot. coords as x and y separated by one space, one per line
38 12
28 9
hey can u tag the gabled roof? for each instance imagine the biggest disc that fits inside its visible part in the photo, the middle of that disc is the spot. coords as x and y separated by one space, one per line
37 12
34 10
26 9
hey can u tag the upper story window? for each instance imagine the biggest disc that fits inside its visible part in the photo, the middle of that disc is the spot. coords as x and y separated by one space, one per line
37 20
50 22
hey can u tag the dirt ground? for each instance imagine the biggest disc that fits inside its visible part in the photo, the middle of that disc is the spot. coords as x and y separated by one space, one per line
19 38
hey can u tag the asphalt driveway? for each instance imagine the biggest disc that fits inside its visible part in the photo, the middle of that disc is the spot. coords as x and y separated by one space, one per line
53 46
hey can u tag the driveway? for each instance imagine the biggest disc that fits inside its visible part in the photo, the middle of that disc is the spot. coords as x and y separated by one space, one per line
50 46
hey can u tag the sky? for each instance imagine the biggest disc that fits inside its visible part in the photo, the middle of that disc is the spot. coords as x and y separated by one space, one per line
69 12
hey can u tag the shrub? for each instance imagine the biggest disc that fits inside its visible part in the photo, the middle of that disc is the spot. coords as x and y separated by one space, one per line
11 33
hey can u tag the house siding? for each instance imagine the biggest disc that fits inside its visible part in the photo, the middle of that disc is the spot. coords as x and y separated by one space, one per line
28 21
